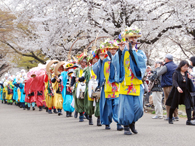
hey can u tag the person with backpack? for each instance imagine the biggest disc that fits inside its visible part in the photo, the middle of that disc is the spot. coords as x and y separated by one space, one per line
156 89
166 81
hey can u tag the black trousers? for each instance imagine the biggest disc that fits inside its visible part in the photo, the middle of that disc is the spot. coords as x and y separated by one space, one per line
188 112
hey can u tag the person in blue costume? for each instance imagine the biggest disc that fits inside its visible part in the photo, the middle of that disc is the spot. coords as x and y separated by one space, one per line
66 92
19 87
15 93
109 91
22 95
128 68
1 91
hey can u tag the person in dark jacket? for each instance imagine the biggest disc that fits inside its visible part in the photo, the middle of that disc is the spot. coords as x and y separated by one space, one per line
180 92
157 92
166 81
192 72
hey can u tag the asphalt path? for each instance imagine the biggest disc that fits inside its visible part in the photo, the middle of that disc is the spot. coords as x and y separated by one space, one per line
20 127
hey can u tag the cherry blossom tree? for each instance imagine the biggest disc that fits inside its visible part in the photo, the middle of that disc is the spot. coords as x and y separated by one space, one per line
53 26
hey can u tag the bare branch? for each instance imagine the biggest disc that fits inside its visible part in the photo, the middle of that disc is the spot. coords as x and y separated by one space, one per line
160 34
182 49
23 54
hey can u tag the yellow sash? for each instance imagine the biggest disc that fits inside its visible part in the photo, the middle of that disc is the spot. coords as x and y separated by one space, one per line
80 75
130 84
111 89
19 94
93 75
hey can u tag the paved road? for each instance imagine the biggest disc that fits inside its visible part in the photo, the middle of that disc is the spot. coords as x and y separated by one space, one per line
33 128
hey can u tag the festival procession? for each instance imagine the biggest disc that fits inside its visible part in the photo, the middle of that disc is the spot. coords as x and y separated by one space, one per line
106 84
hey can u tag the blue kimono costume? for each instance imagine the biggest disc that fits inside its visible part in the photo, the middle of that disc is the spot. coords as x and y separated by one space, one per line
22 96
1 92
67 98
130 107
108 106
15 92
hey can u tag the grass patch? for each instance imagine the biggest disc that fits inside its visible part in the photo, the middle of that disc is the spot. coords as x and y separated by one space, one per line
182 108
182 116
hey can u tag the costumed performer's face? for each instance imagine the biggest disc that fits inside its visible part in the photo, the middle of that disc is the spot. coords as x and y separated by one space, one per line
61 69
70 74
33 75
83 63
102 56
94 60
133 39
113 51
122 46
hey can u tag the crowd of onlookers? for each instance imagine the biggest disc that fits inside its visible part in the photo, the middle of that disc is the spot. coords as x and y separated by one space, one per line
168 84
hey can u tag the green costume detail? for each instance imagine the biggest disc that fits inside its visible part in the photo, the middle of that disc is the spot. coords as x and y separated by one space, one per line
78 103
89 108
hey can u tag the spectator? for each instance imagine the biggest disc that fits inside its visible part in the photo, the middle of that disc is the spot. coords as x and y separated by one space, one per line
145 85
146 82
192 72
166 81
157 92
180 93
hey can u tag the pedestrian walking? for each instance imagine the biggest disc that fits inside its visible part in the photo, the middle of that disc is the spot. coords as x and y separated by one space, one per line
166 81
180 92
157 91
